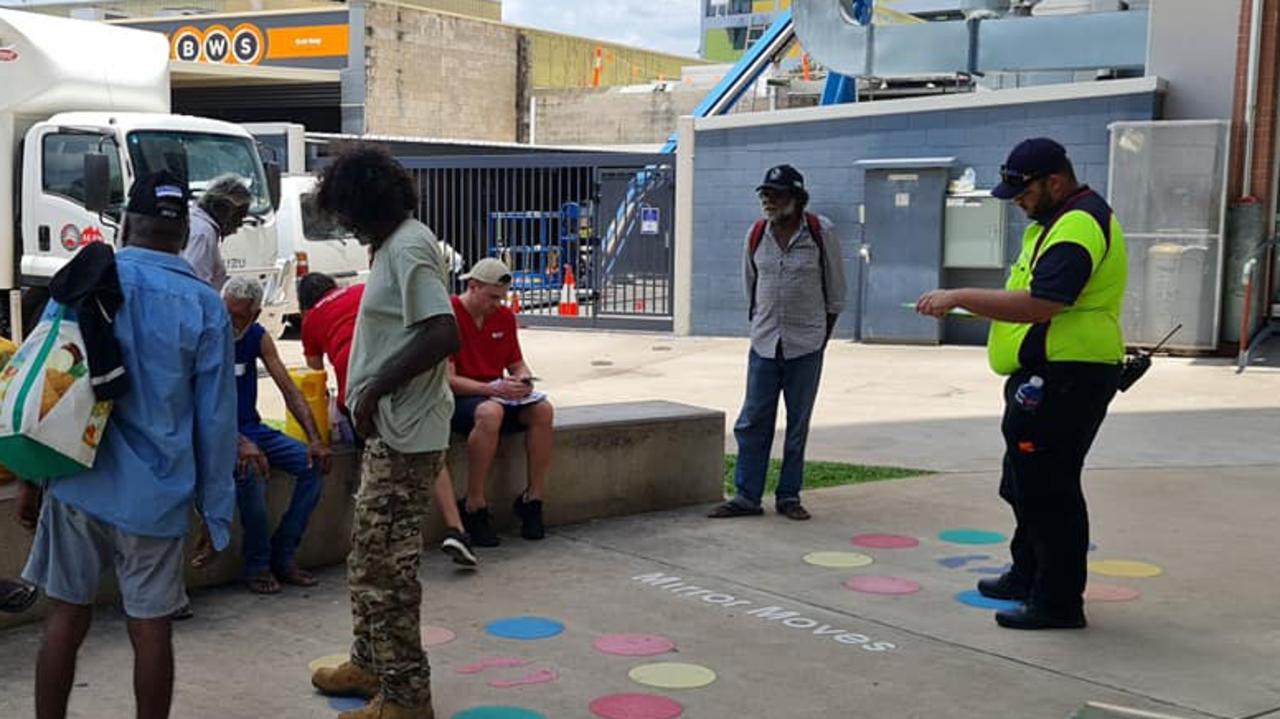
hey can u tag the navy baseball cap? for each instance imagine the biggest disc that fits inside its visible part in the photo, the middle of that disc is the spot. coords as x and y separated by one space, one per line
1031 160
784 178
159 194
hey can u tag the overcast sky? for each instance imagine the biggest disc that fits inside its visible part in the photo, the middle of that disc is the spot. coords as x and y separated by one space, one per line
669 25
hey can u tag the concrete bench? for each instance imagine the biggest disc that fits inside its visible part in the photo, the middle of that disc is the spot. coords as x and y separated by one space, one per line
610 460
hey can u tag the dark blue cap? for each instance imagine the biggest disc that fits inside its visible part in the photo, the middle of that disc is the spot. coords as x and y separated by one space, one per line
1029 161
785 178
159 194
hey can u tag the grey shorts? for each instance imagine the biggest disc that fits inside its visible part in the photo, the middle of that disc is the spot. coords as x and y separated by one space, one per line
71 551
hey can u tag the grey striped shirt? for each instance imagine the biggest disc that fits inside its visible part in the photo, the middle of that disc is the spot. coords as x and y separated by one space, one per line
789 306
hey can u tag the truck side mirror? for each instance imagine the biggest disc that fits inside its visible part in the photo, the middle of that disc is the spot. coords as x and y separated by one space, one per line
97 182
273 183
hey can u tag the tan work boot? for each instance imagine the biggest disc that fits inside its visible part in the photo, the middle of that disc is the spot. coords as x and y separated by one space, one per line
380 708
346 680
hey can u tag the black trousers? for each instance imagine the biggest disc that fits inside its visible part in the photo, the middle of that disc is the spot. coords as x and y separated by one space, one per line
1044 456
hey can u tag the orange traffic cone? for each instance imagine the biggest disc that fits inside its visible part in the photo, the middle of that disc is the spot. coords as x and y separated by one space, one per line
568 294
515 303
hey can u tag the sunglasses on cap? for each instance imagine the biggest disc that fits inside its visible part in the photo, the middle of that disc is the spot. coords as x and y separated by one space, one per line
1020 179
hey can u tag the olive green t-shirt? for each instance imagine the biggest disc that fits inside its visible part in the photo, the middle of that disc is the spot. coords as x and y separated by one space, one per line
407 284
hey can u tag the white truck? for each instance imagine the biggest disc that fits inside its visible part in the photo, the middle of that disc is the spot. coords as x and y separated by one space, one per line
84 110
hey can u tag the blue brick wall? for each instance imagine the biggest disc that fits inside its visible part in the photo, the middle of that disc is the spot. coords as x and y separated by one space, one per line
730 163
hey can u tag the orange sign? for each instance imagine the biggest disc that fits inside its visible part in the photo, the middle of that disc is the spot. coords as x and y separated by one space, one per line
286 43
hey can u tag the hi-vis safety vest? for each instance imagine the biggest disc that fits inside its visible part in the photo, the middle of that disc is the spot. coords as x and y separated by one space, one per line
1087 331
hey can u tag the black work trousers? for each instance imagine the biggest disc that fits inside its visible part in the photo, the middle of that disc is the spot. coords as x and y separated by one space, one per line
1044 455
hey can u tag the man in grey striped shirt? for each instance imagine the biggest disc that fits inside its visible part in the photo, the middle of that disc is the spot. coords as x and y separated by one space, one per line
795 285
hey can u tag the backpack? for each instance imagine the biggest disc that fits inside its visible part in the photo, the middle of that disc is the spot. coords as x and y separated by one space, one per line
753 243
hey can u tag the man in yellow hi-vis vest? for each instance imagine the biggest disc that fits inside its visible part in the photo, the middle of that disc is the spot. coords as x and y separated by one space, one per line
1055 334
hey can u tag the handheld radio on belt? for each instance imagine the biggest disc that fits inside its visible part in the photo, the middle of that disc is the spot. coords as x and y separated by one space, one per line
1137 365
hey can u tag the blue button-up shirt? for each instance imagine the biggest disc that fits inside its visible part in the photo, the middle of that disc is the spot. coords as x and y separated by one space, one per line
171 439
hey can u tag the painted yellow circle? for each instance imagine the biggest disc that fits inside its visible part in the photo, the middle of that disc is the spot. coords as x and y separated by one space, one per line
672 675
838 560
1124 568
330 662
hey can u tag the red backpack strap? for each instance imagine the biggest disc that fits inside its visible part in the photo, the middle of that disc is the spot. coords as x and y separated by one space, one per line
815 227
753 243
815 231
757 234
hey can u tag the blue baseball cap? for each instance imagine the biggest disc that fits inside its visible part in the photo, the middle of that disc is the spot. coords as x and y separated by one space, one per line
784 178
1031 160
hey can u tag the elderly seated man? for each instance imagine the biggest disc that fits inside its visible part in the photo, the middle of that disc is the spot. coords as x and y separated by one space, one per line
493 393
269 560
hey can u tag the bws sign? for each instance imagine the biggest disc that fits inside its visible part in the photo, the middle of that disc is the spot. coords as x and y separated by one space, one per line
249 43
242 45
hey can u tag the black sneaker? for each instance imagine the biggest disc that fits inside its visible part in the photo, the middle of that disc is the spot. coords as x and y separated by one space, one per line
530 514
1004 587
458 546
478 525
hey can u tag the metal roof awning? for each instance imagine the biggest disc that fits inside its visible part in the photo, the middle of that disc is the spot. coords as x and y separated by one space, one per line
199 74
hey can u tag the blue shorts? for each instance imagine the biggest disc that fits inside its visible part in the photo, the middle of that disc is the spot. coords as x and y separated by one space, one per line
464 414
71 550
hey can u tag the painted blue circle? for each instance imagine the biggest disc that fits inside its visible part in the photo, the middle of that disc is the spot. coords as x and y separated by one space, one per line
971 536
346 704
497 712
974 598
525 628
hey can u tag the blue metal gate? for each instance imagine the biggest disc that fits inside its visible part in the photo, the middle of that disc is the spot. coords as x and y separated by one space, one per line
588 237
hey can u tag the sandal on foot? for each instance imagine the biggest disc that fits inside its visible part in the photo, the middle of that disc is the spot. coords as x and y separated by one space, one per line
264 583
793 510
732 509
295 577
16 595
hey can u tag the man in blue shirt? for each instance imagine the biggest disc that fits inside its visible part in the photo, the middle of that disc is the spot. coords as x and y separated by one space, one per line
170 441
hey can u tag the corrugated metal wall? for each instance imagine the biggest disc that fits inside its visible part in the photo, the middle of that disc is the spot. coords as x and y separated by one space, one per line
561 61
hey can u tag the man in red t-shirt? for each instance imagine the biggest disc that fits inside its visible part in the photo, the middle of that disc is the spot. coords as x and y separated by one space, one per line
328 324
493 392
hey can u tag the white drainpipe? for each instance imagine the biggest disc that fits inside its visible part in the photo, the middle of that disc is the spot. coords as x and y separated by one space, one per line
1251 94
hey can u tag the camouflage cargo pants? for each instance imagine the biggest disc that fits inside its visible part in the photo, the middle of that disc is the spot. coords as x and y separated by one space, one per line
382 570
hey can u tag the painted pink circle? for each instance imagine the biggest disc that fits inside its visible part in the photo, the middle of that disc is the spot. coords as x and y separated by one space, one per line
882 585
885 541
636 706
433 636
1109 593
634 645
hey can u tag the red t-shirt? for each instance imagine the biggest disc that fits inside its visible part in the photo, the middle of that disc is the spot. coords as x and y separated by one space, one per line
328 329
487 351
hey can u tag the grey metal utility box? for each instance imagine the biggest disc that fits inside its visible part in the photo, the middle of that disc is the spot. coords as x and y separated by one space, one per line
973 233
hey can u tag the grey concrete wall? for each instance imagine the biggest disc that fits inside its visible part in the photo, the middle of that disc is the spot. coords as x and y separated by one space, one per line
435 75
625 116
1195 50
609 116
729 163
610 460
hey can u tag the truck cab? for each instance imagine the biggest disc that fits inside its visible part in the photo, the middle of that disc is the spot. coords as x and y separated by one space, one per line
84 113
56 222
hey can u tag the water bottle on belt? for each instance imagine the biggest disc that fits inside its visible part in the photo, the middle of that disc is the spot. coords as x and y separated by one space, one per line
1030 393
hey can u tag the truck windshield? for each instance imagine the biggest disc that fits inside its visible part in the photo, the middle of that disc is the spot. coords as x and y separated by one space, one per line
315 226
206 156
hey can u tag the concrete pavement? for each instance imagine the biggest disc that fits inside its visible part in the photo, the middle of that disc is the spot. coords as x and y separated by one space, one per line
1183 483
784 638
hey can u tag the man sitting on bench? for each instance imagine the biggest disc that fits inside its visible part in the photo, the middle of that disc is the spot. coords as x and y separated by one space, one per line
269 559
489 404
